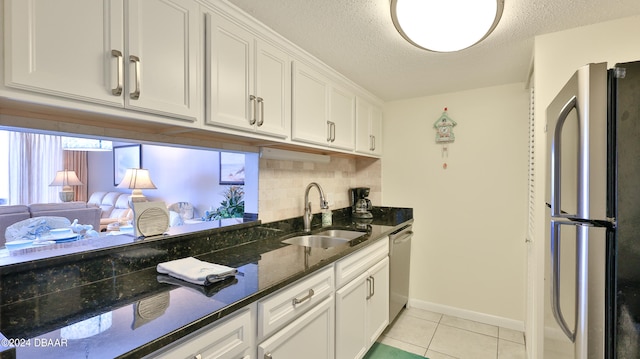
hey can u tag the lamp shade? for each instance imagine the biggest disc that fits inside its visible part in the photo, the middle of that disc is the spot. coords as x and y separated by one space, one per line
137 178
445 25
66 178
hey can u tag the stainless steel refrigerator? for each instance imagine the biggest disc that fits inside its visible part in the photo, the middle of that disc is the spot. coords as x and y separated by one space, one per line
592 249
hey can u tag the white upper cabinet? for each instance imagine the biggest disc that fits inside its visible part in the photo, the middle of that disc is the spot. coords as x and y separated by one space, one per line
310 109
322 112
75 49
248 82
64 47
342 120
368 128
161 69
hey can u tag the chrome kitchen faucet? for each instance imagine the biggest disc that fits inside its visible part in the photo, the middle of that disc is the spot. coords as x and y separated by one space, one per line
308 216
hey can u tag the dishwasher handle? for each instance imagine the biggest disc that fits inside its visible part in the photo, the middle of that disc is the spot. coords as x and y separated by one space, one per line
404 238
399 238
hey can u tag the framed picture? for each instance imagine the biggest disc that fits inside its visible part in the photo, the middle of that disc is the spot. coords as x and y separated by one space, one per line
125 157
231 168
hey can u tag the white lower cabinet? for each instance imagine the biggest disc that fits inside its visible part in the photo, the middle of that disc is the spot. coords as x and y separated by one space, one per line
311 336
306 319
362 304
232 338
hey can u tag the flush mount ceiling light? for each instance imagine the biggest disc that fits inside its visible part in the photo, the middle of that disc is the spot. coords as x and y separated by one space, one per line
445 25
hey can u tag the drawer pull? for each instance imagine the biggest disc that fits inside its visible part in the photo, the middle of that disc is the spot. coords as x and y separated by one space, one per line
306 297
268 356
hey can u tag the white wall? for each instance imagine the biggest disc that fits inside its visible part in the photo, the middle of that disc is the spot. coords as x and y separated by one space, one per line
181 175
468 254
557 56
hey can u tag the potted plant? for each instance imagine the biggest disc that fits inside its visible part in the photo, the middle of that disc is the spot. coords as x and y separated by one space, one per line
231 207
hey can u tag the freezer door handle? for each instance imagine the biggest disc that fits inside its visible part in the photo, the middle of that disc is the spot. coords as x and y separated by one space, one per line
556 150
555 280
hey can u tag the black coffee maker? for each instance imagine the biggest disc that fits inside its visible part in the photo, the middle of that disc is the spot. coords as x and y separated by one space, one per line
360 204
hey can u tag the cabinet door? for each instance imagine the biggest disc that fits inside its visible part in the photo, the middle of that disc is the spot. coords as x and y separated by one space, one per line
162 57
342 127
63 47
375 131
378 300
310 105
351 318
230 63
311 336
368 128
273 90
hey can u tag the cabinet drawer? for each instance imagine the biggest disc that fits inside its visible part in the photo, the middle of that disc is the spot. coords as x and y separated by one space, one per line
234 337
284 306
360 261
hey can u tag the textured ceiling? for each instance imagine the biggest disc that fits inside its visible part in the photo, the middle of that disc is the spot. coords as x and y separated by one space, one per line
357 38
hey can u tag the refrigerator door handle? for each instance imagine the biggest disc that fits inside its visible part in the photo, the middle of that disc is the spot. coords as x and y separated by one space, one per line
556 148
555 285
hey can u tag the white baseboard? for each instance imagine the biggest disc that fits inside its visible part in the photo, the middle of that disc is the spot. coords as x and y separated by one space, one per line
468 314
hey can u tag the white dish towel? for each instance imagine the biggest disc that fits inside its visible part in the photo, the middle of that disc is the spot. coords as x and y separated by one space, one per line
196 271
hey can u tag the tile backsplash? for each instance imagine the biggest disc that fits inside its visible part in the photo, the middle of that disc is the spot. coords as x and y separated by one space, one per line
282 184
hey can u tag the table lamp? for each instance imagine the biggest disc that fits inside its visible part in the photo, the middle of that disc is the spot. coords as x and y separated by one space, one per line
66 179
137 179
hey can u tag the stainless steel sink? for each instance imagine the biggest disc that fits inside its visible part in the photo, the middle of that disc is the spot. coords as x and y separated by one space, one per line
325 239
341 233
316 241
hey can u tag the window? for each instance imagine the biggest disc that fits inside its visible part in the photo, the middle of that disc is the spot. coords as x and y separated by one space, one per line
4 167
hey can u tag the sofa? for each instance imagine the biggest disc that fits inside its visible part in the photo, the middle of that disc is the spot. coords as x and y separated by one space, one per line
114 206
83 212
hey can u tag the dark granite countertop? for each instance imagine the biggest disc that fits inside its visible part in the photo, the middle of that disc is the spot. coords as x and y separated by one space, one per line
112 302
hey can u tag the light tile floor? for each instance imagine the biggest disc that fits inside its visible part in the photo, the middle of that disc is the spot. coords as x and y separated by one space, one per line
439 336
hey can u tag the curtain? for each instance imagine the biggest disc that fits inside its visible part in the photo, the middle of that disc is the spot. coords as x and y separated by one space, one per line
77 161
34 160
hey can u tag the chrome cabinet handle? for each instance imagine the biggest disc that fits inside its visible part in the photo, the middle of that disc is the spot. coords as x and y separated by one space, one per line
331 129
252 120
306 297
136 60
368 288
372 143
373 286
118 90
268 356
556 150
333 132
261 108
371 283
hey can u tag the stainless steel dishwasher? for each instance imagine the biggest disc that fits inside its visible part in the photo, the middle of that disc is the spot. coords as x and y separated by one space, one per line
399 264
